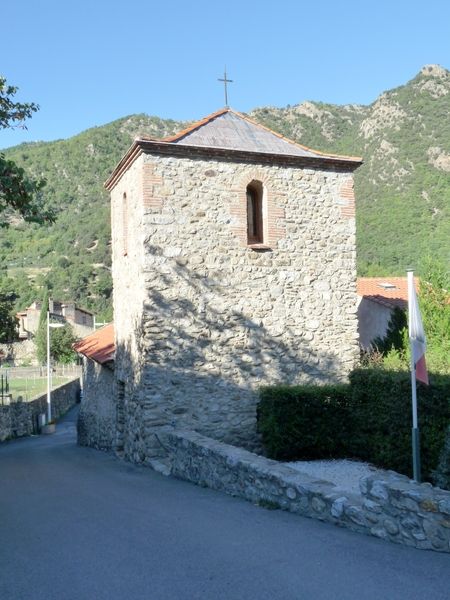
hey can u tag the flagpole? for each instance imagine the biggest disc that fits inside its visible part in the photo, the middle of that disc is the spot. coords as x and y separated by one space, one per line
415 427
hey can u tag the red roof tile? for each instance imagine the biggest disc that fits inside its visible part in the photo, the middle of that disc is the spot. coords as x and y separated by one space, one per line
389 291
99 346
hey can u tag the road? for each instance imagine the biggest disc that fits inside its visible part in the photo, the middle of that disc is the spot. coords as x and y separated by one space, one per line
78 524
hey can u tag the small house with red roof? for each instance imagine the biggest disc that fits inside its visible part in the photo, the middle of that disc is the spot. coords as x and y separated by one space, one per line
378 297
233 264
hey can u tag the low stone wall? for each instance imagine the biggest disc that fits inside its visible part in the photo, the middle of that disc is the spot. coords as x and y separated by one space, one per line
21 418
393 507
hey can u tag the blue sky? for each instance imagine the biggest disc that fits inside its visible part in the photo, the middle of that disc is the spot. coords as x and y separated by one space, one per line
87 63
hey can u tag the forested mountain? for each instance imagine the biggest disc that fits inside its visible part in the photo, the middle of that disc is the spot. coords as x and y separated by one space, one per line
72 257
402 190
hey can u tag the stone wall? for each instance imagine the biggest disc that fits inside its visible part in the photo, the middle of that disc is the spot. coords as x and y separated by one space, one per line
21 418
391 507
97 416
202 320
19 353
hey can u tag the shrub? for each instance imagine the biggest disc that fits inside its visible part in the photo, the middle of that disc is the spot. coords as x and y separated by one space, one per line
441 476
369 419
382 418
304 421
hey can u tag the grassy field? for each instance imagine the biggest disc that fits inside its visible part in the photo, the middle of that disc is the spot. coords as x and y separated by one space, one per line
29 388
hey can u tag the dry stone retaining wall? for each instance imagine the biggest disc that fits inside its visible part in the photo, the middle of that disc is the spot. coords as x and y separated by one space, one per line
21 418
19 353
391 507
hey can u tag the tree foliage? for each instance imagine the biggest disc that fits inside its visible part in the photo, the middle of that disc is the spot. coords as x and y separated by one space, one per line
41 332
8 330
435 306
393 352
394 338
61 341
20 194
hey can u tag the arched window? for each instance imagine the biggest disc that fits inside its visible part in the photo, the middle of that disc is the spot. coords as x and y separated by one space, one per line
255 224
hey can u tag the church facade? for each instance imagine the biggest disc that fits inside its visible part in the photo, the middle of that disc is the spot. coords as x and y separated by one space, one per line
234 267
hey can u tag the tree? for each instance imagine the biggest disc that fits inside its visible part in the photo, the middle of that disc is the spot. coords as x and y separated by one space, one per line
434 301
435 306
7 319
394 338
41 333
61 341
18 193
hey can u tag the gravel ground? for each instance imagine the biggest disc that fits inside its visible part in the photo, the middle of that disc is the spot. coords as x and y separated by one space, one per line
345 474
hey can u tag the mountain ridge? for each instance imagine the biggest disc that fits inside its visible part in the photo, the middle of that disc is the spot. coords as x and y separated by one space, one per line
402 189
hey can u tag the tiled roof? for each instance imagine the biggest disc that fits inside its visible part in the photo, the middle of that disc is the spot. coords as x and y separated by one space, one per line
99 346
389 291
231 130
228 133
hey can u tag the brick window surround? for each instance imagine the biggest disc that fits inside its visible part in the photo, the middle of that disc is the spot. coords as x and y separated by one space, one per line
273 227
346 199
124 224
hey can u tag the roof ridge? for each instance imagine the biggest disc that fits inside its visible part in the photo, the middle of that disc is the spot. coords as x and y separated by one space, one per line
181 134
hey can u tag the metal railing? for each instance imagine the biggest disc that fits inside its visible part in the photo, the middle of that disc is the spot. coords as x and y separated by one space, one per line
38 372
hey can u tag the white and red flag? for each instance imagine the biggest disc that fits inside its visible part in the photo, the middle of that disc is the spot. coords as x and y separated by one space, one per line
416 333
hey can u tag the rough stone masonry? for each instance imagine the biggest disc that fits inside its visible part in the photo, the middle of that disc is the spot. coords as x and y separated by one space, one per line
203 318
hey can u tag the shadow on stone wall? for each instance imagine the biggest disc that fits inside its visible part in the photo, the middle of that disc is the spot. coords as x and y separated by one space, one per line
198 364
195 323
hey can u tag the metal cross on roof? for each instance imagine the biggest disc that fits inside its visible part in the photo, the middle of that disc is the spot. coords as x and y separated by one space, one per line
225 81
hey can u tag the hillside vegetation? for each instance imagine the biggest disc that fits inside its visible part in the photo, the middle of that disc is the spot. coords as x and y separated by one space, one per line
402 190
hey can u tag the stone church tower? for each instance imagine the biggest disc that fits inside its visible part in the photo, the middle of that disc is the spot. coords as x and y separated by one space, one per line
233 268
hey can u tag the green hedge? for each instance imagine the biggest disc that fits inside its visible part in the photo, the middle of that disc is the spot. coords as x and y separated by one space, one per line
382 419
304 421
441 475
369 419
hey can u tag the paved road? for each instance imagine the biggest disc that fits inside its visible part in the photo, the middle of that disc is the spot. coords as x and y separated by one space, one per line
77 524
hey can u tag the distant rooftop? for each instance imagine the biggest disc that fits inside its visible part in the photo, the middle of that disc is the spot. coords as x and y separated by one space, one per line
389 291
56 304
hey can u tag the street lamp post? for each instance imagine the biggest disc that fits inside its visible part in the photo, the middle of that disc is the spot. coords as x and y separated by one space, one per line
49 381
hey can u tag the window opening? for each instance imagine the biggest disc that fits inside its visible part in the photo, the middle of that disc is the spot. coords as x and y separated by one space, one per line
255 230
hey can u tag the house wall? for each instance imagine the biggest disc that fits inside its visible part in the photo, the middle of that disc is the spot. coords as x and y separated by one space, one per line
97 416
73 316
373 321
201 319
79 330
129 297
83 318
32 320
